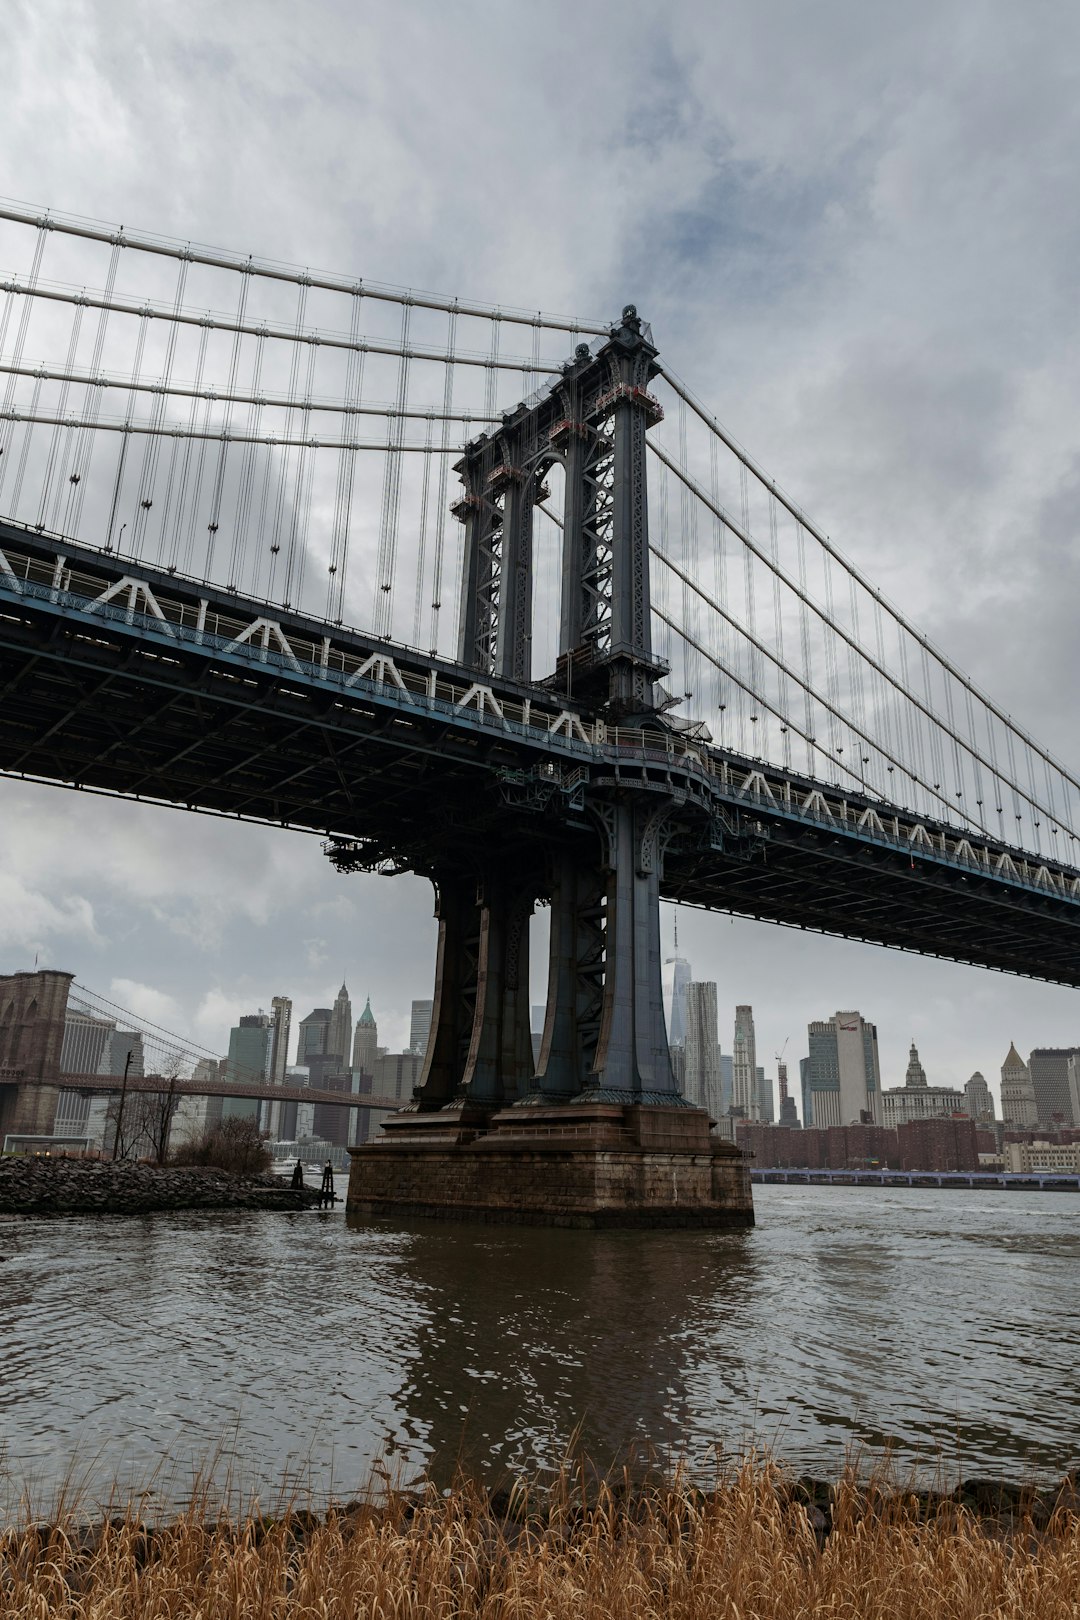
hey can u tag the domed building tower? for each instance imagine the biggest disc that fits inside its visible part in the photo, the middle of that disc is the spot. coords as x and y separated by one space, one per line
366 1041
916 1074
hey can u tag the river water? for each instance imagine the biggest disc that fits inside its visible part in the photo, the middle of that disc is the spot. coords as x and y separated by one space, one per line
268 1347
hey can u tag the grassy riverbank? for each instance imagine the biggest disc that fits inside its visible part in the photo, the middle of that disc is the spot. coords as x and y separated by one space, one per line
758 1545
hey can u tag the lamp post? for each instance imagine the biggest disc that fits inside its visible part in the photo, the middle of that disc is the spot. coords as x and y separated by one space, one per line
120 1110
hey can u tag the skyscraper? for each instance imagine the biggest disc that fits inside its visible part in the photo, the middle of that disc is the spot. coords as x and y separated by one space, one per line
727 1081
1073 1072
339 1038
744 1085
280 1023
701 1066
979 1102
248 1063
1049 1070
314 1032
1018 1106
420 1027
842 1077
765 1098
366 1041
86 1039
677 976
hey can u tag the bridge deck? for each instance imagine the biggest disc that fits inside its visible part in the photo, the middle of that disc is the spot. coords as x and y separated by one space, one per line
189 695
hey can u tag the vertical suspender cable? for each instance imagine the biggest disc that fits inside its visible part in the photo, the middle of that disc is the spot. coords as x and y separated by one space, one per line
7 428
391 498
152 447
444 472
87 438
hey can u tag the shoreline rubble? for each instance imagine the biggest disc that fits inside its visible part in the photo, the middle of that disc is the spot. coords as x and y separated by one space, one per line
44 1185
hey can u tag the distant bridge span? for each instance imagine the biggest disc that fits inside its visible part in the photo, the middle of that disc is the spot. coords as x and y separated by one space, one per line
160 1083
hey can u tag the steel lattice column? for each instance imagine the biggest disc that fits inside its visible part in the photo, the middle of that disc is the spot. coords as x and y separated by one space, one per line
454 1001
575 977
632 1061
499 1064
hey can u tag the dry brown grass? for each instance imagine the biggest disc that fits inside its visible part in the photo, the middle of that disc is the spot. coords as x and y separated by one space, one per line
753 1546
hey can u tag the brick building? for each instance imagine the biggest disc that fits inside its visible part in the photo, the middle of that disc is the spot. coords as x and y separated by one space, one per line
938 1144
926 1144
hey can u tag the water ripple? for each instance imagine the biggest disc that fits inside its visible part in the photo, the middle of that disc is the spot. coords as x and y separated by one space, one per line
943 1325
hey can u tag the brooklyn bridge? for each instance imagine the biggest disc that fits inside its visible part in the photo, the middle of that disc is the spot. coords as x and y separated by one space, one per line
487 595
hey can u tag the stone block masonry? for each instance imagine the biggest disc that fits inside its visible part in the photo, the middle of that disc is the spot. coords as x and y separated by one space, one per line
599 1165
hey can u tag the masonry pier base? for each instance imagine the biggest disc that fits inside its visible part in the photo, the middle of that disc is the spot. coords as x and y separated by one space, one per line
575 1164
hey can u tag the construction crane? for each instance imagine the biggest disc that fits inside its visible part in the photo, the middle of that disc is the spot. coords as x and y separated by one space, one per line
781 1071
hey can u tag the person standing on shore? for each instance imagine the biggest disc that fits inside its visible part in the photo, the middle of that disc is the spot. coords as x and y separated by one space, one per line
297 1175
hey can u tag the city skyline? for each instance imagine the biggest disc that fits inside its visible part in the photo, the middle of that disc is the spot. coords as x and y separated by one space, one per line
397 1032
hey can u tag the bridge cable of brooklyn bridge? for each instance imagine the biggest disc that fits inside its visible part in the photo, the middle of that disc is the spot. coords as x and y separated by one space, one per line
485 594
167 1069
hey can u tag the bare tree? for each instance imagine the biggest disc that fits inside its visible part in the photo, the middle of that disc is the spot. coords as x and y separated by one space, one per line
160 1113
142 1124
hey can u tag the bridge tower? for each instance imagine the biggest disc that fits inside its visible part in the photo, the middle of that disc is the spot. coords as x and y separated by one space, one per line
604 1036
604 1039
596 1131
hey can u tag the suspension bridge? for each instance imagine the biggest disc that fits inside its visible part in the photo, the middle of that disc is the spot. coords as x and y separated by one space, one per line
489 595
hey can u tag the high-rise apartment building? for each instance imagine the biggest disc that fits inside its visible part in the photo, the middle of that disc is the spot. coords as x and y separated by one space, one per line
339 1038
744 1087
766 1111
701 1052
365 1041
1049 1070
1018 1106
420 1026
978 1100
842 1075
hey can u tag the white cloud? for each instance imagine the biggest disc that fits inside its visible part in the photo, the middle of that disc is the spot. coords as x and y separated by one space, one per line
31 921
146 1002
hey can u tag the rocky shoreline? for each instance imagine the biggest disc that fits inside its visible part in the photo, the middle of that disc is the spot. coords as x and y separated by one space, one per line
59 1186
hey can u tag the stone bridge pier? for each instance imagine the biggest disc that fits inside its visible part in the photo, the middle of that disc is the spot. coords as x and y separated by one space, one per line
595 1133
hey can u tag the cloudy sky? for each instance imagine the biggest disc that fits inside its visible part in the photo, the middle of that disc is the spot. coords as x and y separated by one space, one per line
854 230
